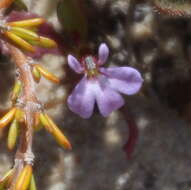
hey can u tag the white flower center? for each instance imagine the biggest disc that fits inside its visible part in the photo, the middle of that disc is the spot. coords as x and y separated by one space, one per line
91 66
90 63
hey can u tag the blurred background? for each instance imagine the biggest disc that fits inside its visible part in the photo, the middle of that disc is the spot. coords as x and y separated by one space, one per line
145 145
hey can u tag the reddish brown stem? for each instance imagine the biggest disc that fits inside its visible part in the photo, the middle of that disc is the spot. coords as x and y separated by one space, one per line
133 133
30 105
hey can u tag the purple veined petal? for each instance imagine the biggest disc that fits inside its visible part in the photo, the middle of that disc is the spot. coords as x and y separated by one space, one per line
82 99
74 64
126 80
108 100
103 53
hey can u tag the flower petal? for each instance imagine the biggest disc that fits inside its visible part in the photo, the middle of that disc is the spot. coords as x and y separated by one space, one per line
107 99
126 80
74 64
82 99
103 53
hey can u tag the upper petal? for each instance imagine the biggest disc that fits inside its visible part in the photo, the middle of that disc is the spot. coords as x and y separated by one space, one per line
82 99
126 80
74 64
103 53
107 99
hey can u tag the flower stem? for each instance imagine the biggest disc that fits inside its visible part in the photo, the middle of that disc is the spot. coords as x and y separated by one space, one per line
30 105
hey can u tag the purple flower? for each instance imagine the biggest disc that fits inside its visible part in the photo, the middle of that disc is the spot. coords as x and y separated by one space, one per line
101 85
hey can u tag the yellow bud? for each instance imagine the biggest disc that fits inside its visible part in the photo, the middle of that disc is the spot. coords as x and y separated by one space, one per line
16 90
12 134
19 115
36 74
32 184
23 180
27 23
47 43
25 33
19 41
57 133
45 122
7 118
47 74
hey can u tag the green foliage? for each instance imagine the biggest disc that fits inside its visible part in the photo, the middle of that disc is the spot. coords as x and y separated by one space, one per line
71 16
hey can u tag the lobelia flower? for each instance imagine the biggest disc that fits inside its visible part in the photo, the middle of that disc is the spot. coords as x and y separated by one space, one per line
101 85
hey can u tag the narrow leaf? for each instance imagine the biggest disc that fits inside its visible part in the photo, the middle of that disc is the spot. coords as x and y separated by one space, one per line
7 118
12 134
45 73
27 22
19 41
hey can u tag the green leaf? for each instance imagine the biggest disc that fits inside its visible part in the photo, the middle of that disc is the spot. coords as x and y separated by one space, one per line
71 15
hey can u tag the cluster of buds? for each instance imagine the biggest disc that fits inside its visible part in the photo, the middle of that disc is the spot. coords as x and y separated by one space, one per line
24 34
